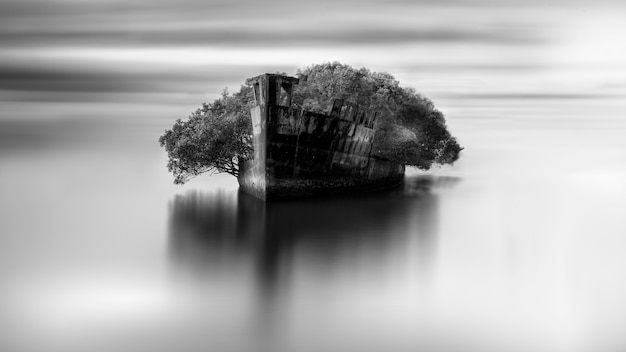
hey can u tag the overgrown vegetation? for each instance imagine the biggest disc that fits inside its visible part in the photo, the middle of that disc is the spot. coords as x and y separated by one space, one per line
410 130
213 139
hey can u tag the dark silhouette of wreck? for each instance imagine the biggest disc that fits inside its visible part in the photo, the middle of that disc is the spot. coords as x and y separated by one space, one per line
301 153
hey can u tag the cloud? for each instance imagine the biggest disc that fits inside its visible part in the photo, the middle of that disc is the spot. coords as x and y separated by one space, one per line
231 37
529 96
127 77
68 80
254 24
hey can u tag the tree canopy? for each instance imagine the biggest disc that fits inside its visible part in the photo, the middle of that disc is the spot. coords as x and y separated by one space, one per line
409 130
213 139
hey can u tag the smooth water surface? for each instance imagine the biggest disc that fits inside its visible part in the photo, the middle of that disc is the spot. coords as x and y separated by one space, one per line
518 247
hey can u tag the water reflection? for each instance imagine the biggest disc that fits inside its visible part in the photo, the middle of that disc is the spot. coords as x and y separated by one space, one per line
209 230
273 248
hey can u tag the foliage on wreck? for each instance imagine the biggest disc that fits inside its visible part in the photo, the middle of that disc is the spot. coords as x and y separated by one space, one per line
409 129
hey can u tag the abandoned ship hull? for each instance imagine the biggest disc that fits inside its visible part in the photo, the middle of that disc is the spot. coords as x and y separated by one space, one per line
298 153
384 175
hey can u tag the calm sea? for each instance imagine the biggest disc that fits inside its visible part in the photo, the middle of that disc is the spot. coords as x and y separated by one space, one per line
520 246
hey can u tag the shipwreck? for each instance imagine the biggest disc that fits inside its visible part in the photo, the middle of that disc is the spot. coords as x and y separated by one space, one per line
299 153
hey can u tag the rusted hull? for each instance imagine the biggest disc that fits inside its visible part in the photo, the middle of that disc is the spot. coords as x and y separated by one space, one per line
299 153
383 175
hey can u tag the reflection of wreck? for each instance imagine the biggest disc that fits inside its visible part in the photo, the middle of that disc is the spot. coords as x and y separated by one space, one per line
301 153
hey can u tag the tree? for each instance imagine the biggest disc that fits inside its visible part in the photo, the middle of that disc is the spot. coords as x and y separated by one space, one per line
215 138
409 129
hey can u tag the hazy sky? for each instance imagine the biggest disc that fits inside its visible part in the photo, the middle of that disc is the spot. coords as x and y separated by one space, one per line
184 52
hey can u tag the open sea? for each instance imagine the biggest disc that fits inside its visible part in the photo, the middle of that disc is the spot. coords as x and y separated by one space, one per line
519 246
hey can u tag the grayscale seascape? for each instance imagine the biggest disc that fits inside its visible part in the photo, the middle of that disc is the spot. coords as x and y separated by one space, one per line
520 246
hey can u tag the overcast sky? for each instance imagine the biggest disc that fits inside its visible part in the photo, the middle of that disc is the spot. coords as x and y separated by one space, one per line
184 52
